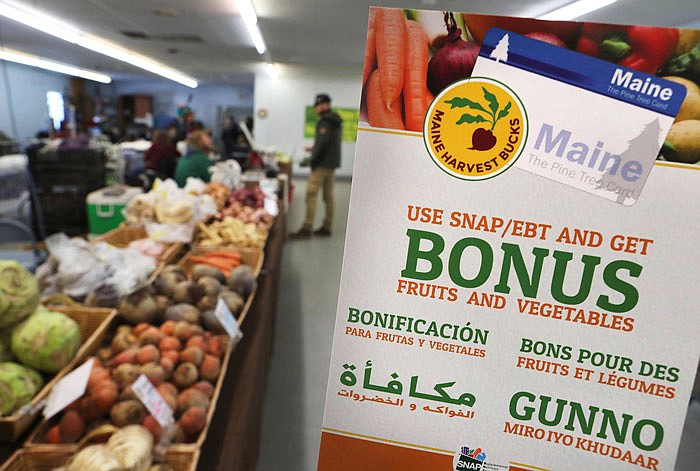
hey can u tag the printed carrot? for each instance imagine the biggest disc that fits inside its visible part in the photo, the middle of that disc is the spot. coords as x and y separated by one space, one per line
378 114
428 98
370 48
414 84
390 38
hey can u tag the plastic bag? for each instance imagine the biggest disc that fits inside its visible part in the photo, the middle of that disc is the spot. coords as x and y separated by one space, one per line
227 173
170 233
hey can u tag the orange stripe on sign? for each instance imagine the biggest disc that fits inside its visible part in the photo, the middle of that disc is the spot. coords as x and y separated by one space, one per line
341 453
529 467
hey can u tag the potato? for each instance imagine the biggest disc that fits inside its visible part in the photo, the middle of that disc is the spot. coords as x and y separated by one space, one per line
127 413
200 271
684 136
182 312
690 108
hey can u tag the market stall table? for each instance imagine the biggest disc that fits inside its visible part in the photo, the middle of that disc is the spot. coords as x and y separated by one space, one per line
233 440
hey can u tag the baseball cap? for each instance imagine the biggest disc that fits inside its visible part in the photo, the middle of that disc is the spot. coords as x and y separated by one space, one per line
322 98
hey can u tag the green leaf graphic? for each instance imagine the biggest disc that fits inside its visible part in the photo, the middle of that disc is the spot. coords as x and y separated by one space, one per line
504 111
491 98
468 118
461 102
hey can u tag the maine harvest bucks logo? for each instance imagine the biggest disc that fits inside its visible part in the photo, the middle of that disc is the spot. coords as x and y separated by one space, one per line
475 129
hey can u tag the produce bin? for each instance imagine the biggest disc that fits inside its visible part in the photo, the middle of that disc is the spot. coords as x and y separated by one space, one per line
123 235
93 324
35 440
104 207
251 257
49 458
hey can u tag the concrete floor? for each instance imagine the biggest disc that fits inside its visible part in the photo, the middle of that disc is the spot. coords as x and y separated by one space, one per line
309 283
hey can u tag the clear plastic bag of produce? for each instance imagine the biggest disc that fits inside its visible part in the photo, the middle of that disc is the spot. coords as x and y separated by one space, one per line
170 233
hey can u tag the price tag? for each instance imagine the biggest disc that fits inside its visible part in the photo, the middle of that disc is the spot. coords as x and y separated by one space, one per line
227 321
154 402
68 389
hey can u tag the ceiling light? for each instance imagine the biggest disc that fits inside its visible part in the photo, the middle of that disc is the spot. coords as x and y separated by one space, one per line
34 61
247 11
68 33
576 9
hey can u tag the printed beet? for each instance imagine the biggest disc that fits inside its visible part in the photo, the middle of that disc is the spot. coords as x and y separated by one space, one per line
482 139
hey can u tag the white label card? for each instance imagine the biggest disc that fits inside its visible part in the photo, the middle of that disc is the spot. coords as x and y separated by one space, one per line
154 402
227 321
68 389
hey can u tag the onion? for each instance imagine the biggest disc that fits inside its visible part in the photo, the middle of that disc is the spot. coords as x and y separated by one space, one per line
454 60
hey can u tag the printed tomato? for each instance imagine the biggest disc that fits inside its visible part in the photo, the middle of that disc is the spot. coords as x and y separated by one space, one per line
478 25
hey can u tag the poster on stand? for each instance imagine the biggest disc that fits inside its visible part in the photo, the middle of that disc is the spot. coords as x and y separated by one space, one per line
518 284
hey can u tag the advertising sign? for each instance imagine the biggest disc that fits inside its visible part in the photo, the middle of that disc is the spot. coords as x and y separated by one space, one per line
517 289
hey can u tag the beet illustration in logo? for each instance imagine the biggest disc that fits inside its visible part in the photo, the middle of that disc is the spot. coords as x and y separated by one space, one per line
482 139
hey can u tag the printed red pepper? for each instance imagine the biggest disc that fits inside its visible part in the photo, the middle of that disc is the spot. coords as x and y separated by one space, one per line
643 48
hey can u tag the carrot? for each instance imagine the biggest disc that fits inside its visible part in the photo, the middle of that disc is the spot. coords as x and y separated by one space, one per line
229 262
378 114
428 98
414 83
390 38
220 253
370 48
225 268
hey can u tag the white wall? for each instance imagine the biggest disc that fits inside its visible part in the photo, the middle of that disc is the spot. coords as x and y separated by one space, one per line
285 99
26 90
168 96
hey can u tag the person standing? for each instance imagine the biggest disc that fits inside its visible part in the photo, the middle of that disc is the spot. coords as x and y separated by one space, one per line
324 159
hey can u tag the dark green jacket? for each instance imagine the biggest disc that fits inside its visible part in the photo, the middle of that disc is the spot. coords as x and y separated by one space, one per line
326 150
195 164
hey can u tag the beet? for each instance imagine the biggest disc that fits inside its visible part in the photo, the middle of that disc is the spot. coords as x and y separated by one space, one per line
454 60
482 139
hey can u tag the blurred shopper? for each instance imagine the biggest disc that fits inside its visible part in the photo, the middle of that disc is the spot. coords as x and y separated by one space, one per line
162 156
229 137
195 163
324 159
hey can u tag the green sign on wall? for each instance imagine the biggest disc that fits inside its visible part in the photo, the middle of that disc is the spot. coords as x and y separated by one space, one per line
350 117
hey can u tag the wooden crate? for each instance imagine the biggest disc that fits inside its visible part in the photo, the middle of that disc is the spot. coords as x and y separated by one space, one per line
48 458
36 437
93 323
123 235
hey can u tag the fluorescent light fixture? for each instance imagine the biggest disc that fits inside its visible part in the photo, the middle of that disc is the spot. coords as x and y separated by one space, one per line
66 32
245 7
34 61
257 38
576 9
247 12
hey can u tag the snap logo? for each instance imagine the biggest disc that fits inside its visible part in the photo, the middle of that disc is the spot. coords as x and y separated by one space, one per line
475 129
469 459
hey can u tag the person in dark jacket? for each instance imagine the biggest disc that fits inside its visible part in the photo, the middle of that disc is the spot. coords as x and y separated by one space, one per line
325 158
162 156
